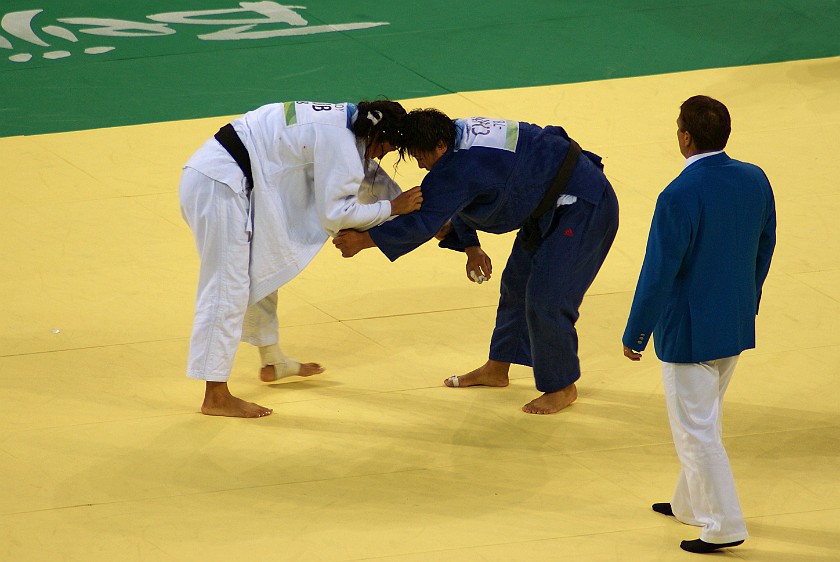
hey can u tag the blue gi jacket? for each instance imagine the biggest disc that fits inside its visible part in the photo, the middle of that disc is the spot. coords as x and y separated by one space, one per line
708 254
489 186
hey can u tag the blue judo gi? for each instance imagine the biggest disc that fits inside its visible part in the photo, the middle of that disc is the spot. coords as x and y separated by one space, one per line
491 180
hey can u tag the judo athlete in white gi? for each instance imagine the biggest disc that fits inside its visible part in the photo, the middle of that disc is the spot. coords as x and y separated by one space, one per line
708 253
498 176
314 173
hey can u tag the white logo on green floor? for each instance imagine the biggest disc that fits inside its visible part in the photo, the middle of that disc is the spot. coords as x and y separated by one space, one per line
28 33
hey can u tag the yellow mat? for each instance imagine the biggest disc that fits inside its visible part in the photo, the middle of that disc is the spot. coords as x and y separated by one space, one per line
105 457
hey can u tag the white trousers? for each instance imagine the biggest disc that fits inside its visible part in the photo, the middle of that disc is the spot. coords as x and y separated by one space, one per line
218 218
705 495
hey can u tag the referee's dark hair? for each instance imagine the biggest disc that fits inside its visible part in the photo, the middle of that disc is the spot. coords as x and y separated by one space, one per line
708 122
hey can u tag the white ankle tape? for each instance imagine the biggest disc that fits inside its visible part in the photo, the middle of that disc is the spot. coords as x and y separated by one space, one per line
271 355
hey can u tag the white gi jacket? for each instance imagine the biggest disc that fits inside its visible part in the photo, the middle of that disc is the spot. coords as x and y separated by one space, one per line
310 181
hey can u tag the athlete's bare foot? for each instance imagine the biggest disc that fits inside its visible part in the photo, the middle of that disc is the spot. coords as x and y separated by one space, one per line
552 402
218 401
269 372
492 373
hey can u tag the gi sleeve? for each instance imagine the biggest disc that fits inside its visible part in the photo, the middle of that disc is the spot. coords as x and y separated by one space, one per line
460 237
338 175
668 241
442 198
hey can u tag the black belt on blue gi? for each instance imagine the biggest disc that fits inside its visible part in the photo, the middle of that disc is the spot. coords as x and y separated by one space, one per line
558 184
231 142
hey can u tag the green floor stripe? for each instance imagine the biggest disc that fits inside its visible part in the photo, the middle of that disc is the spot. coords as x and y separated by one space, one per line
81 64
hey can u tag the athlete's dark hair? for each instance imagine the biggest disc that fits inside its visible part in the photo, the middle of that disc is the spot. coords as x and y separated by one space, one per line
379 120
707 120
423 129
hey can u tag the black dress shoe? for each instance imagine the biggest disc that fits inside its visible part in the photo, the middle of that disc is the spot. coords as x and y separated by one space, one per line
663 508
703 547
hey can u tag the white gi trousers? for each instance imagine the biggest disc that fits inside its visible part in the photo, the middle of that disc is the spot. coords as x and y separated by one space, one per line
218 217
705 495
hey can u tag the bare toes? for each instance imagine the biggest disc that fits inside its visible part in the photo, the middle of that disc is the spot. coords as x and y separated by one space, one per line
254 410
309 369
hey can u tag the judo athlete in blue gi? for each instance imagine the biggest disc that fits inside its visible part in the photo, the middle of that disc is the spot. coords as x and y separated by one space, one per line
708 253
499 176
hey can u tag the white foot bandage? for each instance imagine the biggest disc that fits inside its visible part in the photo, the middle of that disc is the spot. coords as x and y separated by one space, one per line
454 381
283 366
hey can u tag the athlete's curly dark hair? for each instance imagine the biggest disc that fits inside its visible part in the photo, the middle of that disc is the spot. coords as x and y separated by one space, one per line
423 129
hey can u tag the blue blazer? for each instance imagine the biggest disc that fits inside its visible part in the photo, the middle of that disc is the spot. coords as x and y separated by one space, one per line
708 254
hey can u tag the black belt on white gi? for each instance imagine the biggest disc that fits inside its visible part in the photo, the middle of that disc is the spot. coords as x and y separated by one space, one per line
231 142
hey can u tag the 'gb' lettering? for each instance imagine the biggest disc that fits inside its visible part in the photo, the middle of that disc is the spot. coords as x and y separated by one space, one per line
316 107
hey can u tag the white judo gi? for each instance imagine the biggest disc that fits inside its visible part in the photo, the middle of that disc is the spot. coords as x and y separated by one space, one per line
311 180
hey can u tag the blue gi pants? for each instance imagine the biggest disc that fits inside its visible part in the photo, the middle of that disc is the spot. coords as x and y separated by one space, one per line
541 291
